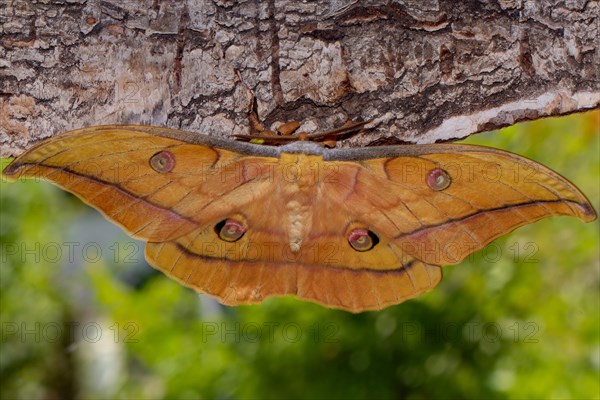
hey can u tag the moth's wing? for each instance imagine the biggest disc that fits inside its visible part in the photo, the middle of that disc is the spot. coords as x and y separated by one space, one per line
109 168
491 193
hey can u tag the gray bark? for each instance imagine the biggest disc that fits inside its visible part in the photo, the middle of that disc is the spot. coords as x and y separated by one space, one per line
424 70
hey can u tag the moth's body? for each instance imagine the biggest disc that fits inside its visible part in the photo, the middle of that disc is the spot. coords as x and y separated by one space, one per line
356 229
299 185
300 166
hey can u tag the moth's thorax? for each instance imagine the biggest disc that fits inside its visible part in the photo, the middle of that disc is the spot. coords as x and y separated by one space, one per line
300 182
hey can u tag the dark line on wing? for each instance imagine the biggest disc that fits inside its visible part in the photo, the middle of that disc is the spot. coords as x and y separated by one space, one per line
139 199
504 207
117 187
187 251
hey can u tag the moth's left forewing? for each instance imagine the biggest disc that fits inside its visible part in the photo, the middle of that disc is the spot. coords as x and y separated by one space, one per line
96 164
157 184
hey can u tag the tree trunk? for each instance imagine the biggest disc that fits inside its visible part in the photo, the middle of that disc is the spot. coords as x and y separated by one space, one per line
424 70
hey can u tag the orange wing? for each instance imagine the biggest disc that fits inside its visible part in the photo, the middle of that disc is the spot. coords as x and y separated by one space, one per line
353 229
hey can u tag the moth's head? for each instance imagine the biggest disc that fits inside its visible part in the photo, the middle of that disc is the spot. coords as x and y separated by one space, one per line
303 147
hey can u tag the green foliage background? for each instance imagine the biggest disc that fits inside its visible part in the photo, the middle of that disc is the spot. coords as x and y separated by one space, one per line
517 320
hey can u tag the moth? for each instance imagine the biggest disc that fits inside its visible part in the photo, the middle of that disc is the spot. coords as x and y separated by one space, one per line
355 229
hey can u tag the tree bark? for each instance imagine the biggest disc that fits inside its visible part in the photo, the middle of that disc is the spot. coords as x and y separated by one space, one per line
424 71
